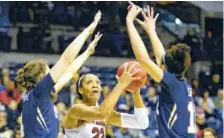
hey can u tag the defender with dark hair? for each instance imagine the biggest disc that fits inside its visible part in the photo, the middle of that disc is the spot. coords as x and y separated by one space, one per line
39 116
175 110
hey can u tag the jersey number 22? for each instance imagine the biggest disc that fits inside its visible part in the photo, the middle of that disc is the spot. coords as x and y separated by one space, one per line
98 132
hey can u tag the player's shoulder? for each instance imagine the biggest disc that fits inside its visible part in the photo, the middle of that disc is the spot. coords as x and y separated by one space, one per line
169 78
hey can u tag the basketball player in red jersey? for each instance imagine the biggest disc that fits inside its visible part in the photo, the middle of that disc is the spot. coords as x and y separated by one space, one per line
87 119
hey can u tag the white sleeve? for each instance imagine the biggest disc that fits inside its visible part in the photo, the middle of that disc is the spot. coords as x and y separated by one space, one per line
138 120
21 127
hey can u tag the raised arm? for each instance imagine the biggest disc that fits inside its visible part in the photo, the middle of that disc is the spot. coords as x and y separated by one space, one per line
72 50
138 46
76 64
138 120
89 113
149 26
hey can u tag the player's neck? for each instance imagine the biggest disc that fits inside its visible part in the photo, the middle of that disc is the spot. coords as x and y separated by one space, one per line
88 103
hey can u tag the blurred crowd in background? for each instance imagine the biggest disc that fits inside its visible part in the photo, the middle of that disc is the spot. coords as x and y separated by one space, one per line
115 42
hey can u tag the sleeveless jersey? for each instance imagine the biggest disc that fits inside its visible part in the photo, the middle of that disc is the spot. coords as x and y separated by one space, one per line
175 110
39 116
94 129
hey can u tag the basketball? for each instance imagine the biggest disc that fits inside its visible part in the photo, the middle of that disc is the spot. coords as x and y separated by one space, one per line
135 85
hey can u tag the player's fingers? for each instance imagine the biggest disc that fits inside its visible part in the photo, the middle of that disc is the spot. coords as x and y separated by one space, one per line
148 10
129 90
135 78
135 72
97 39
152 12
99 13
131 3
125 67
97 35
117 78
131 67
138 8
143 14
157 15
129 7
139 21
100 35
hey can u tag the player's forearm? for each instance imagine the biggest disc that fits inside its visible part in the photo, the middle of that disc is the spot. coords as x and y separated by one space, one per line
141 53
137 100
72 69
138 120
136 42
157 46
74 47
109 102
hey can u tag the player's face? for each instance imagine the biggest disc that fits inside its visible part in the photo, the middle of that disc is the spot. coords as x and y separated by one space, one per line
91 88
208 134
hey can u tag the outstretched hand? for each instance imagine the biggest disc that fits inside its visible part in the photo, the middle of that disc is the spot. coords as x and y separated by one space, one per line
149 23
133 11
97 17
94 24
91 49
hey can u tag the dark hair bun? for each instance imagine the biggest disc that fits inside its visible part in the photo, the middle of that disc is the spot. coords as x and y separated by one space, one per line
177 58
179 55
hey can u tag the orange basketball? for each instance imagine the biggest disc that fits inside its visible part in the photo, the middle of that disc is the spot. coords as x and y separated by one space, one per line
135 85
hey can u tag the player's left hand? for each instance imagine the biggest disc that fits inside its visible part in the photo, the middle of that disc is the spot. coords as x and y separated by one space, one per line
133 11
91 49
149 23
94 24
129 90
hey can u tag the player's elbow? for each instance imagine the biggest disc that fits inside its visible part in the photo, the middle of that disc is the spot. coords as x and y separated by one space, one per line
143 122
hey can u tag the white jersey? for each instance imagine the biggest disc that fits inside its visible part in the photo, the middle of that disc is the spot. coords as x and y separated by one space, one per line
94 129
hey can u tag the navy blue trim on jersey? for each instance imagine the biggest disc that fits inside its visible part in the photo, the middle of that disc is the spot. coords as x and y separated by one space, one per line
39 117
175 113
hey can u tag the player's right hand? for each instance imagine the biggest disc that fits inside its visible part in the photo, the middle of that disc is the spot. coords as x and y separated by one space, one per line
127 76
133 11
149 23
94 24
91 49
